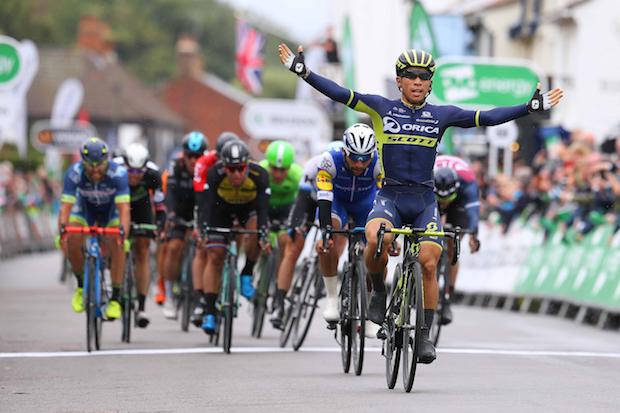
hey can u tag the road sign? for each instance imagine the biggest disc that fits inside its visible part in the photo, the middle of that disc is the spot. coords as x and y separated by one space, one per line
284 119
11 62
66 138
503 135
483 82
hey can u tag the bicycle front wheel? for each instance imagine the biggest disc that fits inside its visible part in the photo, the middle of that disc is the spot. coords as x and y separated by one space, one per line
346 306
91 304
358 317
413 319
127 298
186 289
267 269
292 301
311 292
392 342
228 304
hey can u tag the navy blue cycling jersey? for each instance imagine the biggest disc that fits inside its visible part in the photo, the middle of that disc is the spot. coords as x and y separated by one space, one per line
99 196
408 136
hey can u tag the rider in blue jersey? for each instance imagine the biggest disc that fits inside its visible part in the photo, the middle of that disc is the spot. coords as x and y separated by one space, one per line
95 192
408 131
346 182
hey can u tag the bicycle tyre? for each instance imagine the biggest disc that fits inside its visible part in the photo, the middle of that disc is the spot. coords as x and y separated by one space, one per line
411 345
91 306
346 306
359 317
311 292
99 290
442 284
228 308
186 288
392 343
262 294
293 298
127 298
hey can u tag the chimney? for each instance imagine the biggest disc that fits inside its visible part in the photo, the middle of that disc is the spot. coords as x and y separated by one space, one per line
188 57
95 35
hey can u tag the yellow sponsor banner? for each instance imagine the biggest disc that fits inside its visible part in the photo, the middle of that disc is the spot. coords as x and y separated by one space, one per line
410 140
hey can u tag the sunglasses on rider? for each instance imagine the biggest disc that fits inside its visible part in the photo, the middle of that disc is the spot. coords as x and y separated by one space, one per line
136 171
236 168
95 164
191 155
413 74
359 158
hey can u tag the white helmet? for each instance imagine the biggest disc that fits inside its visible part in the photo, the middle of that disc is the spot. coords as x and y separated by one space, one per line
359 139
136 155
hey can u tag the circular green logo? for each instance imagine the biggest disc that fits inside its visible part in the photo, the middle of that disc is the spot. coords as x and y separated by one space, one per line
9 63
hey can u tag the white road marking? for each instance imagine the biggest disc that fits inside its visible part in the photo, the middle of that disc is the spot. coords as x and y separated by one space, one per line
167 351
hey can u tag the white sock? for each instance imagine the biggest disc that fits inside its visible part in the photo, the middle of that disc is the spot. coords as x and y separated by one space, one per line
331 286
169 295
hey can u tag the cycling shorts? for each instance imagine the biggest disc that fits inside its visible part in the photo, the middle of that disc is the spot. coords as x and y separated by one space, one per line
358 212
106 216
230 216
408 205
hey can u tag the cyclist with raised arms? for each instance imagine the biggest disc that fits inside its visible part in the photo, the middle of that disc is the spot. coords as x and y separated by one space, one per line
199 265
237 194
458 198
95 192
180 206
145 188
302 216
346 182
408 131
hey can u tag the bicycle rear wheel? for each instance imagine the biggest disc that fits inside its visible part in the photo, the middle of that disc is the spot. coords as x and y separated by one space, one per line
311 292
358 317
91 305
413 312
442 283
346 308
127 298
392 343
228 307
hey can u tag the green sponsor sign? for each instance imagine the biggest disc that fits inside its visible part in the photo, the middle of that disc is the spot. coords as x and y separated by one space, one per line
475 82
10 62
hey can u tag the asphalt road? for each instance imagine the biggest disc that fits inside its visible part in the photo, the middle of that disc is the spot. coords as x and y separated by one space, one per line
489 360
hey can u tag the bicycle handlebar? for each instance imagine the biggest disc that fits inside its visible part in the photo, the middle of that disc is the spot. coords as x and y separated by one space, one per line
93 230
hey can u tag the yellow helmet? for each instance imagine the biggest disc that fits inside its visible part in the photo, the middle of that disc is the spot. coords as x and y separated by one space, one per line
414 58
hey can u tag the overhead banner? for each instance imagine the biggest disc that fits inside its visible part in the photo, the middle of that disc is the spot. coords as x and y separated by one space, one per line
480 83
348 64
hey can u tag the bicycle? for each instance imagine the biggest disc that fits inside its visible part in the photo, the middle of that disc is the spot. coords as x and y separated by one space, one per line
266 282
228 301
183 288
94 283
405 312
443 283
128 295
353 291
303 299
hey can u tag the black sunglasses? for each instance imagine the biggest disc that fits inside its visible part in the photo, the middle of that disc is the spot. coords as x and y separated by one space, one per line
423 75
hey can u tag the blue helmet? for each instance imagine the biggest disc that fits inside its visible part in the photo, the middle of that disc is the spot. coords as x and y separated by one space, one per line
94 151
194 143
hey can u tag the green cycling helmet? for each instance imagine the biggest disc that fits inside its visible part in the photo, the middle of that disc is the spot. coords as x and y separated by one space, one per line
280 154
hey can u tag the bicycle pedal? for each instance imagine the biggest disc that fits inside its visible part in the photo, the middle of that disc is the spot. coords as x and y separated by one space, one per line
381 334
331 325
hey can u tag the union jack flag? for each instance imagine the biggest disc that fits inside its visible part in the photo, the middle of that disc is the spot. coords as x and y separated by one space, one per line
249 57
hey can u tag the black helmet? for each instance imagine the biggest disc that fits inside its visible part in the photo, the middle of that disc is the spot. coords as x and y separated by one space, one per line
194 143
446 183
415 58
223 139
235 152
94 151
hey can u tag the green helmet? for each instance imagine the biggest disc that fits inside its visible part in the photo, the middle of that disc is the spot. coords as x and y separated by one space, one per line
280 154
